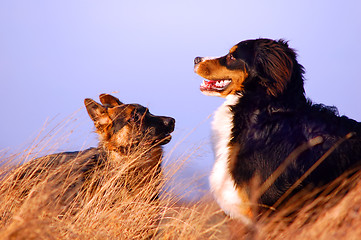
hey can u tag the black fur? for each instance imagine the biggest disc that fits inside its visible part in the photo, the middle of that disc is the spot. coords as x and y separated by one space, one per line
273 117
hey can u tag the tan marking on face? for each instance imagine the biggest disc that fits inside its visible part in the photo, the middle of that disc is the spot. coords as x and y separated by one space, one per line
212 70
233 49
129 110
123 137
117 134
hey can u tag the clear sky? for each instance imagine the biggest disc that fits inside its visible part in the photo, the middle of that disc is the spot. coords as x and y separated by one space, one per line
53 54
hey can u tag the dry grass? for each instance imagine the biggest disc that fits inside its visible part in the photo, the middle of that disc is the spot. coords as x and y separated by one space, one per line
47 202
330 213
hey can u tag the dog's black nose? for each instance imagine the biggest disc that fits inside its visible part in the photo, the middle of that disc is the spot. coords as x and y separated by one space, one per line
169 123
197 60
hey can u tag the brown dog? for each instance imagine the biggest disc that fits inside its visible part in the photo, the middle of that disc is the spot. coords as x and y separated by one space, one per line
131 140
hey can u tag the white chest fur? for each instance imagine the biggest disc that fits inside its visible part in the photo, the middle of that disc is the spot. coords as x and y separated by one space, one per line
221 182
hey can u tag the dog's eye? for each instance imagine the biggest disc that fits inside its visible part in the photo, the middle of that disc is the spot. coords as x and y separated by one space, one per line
231 57
134 117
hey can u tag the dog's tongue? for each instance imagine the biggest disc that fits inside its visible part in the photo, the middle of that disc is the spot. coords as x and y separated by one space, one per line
207 85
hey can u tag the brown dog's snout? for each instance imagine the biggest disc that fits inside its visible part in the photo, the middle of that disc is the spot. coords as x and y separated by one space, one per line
197 60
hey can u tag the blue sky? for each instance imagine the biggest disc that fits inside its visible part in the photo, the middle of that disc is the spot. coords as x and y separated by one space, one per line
53 54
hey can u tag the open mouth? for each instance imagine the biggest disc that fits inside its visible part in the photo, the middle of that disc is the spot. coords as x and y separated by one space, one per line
214 85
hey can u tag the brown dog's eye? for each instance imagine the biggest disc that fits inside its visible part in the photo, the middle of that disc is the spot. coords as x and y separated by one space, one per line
134 117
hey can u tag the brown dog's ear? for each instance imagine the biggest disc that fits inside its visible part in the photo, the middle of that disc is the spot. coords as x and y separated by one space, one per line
274 66
109 101
98 114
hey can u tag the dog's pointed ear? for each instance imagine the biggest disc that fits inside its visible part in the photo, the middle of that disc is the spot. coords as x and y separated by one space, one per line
98 114
274 67
109 101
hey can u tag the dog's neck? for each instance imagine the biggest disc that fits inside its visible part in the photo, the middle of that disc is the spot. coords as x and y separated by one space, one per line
146 156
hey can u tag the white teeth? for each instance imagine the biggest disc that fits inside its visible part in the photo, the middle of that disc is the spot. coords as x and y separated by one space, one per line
218 84
222 83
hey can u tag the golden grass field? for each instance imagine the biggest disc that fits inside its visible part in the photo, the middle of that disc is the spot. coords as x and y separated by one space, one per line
35 204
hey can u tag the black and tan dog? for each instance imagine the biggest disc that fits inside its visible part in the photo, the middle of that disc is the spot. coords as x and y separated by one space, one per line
129 135
265 117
